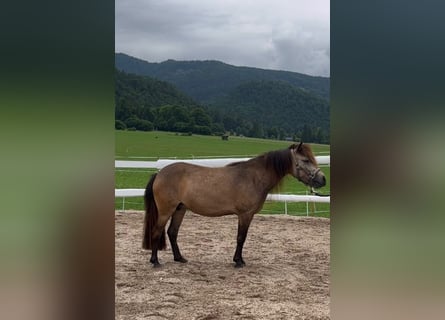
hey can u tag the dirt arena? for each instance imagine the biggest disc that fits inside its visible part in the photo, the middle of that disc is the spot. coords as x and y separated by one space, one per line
286 276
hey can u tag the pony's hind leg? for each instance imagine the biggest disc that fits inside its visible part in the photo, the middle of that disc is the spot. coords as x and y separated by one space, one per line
158 240
173 230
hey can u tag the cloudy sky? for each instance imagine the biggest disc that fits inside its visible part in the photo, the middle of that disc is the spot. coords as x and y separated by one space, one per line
290 35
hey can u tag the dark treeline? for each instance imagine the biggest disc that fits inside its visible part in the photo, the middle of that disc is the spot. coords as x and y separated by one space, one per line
275 109
147 104
144 103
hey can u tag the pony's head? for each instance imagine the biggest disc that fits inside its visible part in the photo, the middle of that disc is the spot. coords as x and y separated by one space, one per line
305 167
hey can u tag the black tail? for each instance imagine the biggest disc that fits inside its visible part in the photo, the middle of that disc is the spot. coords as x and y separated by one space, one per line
151 217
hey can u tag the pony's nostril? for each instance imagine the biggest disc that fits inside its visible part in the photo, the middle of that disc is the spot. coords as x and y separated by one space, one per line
324 179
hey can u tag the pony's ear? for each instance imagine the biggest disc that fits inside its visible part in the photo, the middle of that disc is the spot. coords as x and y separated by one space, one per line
296 147
299 146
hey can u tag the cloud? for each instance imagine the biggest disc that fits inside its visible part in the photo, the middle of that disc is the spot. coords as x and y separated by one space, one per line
285 35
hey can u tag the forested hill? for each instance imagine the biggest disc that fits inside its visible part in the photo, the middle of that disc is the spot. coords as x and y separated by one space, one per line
135 95
143 103
208 81
263 109
275 106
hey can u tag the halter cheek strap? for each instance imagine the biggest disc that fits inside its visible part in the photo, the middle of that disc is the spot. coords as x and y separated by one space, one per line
311 174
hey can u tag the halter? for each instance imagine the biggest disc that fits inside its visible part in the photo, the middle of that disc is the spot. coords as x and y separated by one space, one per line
311 175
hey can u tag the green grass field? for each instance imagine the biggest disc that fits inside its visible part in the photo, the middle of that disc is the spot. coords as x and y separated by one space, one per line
135 145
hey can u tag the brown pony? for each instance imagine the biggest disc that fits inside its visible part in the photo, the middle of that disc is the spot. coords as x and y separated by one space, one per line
239 188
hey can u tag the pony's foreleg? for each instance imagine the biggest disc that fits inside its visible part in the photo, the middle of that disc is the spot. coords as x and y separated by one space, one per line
243 227
172 232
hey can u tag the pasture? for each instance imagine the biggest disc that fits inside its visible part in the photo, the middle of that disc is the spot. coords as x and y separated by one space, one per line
157 144
134 145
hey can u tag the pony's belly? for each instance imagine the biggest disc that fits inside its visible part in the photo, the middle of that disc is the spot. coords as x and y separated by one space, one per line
211 211
213 214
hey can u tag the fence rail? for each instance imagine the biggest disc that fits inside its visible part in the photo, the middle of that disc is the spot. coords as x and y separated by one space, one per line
128 193
159 164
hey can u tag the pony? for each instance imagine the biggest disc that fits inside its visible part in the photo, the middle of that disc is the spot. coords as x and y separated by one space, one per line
239 188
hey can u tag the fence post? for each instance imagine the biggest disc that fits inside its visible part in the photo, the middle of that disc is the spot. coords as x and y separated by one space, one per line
307 207
123 204
285 207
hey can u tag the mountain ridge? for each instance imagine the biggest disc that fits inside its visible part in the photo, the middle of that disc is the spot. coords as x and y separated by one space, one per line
208 80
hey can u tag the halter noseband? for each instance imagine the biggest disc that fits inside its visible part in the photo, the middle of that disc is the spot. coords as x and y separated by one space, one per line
311 174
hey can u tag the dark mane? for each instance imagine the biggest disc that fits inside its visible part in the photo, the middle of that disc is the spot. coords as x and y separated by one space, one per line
280 161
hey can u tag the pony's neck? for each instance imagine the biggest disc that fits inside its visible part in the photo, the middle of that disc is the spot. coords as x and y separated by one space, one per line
268 177
274 182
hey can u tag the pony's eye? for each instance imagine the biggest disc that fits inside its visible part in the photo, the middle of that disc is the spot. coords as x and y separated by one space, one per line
306 161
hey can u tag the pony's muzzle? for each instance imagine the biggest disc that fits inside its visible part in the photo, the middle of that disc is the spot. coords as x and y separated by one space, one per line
319 180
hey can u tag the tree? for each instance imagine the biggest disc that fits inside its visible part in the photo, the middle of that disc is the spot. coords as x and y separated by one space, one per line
144 125
257 130
139 124
119 125
202 130
167 116
182 127
200 117
146 114
281 134
230 123
218 128
318 135
306 135
272 133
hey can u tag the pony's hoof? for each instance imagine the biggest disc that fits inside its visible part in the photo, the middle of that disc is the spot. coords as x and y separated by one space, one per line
155 262
181 259
239 264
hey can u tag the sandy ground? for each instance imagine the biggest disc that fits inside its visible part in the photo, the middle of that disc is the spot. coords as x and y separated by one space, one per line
286 276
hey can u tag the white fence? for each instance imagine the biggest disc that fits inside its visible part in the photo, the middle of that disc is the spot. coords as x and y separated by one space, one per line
159 164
